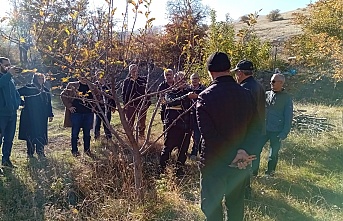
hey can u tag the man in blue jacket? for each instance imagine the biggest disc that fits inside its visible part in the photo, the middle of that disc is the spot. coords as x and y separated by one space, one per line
279 114
9 103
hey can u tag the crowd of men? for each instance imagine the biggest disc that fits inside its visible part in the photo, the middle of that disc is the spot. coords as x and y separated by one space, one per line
230 121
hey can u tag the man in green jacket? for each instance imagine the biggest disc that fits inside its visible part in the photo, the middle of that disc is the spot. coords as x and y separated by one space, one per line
9 103
279 114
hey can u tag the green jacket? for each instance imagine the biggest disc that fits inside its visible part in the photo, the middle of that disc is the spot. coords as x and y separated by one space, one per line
9 96
279 112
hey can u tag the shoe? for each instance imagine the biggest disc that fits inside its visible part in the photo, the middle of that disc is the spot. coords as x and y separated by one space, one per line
41 156
269 173
8 164
76 154
30 156
89 153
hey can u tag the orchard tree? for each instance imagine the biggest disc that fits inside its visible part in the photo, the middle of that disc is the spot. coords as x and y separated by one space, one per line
320 45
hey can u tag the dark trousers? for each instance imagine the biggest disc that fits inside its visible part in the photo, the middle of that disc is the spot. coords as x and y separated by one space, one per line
175 137
132 112
84 121
100 118
228 183
275 145
7 131
196 140
32 147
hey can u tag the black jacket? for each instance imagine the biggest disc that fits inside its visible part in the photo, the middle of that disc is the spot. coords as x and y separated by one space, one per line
224 112
178 99
259 95
133 89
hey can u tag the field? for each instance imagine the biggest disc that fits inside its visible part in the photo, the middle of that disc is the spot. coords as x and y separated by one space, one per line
307 186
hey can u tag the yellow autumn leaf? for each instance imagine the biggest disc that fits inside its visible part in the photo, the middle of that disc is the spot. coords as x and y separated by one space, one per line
41 13
67 31
28 70
22 40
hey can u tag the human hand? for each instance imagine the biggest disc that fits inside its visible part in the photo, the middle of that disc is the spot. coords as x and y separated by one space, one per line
50 119
72 109
281 137
192 95
242 160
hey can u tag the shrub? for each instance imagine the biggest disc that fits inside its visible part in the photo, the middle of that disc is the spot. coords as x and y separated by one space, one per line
274 15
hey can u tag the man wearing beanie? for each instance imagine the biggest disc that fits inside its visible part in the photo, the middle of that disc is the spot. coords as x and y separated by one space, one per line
224 113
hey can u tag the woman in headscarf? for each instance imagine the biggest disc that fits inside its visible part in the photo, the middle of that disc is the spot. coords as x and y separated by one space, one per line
35 115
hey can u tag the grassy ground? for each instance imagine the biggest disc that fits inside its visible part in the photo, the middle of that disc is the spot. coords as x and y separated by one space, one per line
307 186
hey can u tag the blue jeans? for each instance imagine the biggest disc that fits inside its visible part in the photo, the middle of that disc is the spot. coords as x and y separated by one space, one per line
275 145
84 121
7 131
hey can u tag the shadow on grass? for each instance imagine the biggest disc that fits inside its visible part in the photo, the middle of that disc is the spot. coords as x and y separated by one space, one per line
327 160
31 190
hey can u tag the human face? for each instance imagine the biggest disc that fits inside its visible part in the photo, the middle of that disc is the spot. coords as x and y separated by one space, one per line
5 65
195 81
134 72
40 80
169 77
276 83
181 81
238 75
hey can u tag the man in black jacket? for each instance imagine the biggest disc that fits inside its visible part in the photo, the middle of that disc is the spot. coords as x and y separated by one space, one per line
224 112
244 75
178 135
167 83
135 105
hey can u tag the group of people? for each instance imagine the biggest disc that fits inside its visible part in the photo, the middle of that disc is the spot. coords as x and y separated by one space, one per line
230 122
34 117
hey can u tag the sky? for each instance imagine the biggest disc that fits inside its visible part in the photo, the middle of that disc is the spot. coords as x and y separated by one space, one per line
235 8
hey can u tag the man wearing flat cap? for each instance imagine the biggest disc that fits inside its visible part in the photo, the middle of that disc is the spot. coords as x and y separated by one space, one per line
224 113
244 76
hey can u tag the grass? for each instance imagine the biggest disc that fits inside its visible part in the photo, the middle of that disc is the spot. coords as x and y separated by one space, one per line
307 186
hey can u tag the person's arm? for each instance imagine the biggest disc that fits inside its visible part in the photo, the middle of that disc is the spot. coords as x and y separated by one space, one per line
65 97
5 79
124 91
288 116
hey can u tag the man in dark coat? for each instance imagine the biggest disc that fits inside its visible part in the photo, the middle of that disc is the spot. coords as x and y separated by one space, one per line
224 113
167 83
107 106
178 133
77 98
134 87
9 103
34 116
244 75
197 88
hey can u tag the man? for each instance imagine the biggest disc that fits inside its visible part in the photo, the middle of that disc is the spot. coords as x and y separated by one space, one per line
224 111
107 106
9 103
179 133
279 115
77 97
244 76
134 87
167 83
197 88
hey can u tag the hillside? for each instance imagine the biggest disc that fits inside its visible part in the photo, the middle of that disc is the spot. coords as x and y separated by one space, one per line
281 29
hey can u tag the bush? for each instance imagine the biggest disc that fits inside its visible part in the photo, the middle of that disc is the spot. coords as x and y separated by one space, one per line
274 15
